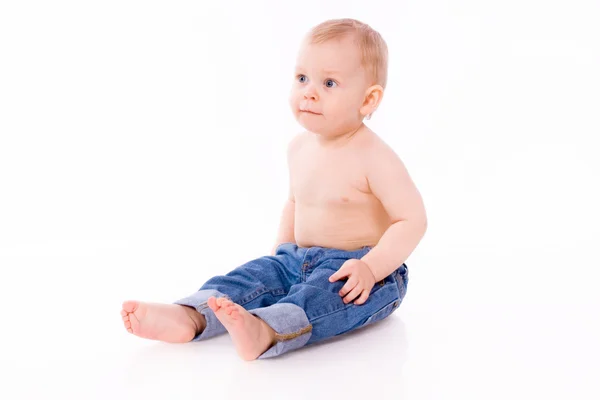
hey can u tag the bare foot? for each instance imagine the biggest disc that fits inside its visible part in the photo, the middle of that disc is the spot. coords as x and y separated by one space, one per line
170 323
251 335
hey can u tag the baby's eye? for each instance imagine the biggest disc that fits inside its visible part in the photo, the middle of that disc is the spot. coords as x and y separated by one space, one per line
330 83
302 78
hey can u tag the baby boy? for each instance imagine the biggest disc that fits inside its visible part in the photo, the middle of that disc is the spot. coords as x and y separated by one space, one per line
352 218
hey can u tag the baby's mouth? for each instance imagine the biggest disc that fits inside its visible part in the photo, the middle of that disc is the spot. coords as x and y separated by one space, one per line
309 112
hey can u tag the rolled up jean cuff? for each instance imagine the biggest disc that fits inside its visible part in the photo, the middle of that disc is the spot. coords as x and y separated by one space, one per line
290 324
199 301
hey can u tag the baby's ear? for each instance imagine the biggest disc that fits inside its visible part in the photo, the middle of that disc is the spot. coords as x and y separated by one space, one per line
373 97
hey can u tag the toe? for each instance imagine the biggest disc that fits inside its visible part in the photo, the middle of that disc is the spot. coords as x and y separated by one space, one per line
124 313
213 303
130 306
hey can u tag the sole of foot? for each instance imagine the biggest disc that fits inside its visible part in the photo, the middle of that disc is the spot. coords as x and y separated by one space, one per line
169 323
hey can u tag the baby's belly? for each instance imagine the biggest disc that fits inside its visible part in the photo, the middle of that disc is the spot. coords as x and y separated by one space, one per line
348 227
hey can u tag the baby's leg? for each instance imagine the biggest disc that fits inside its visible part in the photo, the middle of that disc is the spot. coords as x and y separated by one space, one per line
313 310
258 283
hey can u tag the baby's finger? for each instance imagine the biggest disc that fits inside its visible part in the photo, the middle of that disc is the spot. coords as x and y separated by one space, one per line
340 273
353 294
363 297
351 284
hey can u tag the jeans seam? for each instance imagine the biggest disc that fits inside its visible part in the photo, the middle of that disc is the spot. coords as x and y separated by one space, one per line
258 293
342 308
384 308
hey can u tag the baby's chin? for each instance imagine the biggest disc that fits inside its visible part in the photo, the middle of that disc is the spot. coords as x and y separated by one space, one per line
311 122
313 127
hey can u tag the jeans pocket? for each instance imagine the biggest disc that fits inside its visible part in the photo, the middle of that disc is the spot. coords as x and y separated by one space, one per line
381 314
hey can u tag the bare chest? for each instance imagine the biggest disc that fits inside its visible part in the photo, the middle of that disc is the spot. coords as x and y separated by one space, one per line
329 178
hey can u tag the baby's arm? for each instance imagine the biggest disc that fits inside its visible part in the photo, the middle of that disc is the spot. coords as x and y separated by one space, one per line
391 183
285 232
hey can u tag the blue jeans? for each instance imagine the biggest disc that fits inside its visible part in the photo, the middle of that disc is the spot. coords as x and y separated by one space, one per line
291 292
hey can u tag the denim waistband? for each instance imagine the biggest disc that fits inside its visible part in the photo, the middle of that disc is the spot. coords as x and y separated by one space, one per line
317 254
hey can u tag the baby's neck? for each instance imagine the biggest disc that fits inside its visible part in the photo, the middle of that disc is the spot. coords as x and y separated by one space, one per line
341 139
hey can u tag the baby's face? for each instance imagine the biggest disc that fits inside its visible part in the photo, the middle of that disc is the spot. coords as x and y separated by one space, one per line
330 87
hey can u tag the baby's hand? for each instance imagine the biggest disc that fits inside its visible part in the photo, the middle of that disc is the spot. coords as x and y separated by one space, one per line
360 280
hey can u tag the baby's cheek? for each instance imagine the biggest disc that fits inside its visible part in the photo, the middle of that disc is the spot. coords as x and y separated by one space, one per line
293 98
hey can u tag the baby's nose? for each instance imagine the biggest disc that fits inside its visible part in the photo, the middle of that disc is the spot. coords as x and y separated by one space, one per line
310 94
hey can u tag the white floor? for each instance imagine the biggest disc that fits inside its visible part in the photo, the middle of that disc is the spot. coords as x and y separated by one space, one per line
481 327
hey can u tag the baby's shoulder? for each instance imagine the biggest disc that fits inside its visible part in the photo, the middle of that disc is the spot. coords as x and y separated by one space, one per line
297 142
373 146
378 156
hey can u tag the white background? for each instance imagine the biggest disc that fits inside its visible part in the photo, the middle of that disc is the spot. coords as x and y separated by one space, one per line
142 150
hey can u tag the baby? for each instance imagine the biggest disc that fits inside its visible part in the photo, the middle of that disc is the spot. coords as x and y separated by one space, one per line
352 218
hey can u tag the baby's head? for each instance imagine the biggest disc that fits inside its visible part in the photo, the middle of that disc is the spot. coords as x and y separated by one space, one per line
341 72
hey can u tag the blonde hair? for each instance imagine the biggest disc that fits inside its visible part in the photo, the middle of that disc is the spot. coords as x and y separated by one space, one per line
371 44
